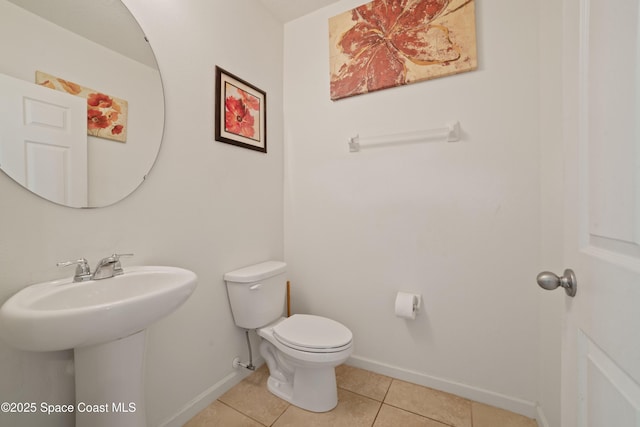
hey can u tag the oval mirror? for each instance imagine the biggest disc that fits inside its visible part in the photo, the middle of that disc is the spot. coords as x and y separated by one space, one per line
81 100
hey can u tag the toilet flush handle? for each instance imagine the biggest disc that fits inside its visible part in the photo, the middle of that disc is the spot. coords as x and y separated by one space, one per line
255 287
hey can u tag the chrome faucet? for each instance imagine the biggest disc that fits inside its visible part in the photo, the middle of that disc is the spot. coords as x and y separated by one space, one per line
109 267
83 271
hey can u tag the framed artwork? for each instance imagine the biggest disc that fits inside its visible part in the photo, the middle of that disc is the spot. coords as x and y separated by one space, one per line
388 43
241 112
106 114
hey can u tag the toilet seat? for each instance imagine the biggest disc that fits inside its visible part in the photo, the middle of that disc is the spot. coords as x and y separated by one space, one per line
314 334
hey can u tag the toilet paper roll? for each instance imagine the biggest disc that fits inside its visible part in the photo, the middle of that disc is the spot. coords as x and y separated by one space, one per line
407 305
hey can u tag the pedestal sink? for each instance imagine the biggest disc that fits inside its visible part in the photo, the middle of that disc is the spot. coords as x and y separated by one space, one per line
104 322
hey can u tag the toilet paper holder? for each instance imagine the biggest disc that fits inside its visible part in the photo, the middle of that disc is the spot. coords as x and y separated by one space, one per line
416 302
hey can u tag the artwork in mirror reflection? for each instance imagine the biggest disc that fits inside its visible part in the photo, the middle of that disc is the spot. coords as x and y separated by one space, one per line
106 114
110 55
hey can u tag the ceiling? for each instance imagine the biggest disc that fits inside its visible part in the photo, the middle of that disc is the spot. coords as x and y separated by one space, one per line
288 10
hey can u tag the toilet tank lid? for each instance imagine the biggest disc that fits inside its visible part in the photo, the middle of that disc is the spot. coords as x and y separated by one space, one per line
256 272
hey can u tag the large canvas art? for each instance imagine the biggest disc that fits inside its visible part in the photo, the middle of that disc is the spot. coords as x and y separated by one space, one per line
388 43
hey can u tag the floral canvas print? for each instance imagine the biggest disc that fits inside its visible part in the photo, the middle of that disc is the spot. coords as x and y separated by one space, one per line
388 43
241 112
106 115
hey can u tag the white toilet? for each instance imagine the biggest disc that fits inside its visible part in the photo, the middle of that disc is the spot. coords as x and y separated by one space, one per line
301 351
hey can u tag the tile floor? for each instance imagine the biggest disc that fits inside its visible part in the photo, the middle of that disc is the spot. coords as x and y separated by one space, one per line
364 399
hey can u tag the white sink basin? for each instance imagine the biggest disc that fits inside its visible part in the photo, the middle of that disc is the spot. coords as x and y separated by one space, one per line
61 314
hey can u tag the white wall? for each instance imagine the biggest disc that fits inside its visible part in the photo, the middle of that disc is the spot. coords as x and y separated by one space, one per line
115 169
206 206
458 223
551 304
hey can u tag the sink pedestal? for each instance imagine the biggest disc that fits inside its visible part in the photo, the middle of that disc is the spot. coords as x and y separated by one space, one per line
109 381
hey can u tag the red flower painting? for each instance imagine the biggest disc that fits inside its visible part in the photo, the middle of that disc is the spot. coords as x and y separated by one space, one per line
387 43
96 120
117 130
239 118
240 112
103 113
99 100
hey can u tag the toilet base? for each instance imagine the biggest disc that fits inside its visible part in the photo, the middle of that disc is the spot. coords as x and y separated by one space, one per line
313 389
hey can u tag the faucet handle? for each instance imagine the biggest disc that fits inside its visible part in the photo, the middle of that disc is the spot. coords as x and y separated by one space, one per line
116 259
113 258
83 271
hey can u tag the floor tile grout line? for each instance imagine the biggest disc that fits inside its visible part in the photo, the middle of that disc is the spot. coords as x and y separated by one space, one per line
387 391
377 413
360 394
420 415
242 413
280 416
382 403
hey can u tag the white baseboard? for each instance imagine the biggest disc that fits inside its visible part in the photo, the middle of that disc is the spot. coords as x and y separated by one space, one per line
540 417
513 404
204 399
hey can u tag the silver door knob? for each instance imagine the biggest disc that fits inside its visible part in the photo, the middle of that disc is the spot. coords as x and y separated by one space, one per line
549 281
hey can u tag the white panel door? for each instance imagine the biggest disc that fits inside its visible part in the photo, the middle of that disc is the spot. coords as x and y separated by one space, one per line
601 330
43 140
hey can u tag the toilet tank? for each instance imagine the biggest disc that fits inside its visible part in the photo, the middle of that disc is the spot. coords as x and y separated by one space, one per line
257 293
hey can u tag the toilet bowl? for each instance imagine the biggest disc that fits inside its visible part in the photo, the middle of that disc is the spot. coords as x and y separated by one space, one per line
301 351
